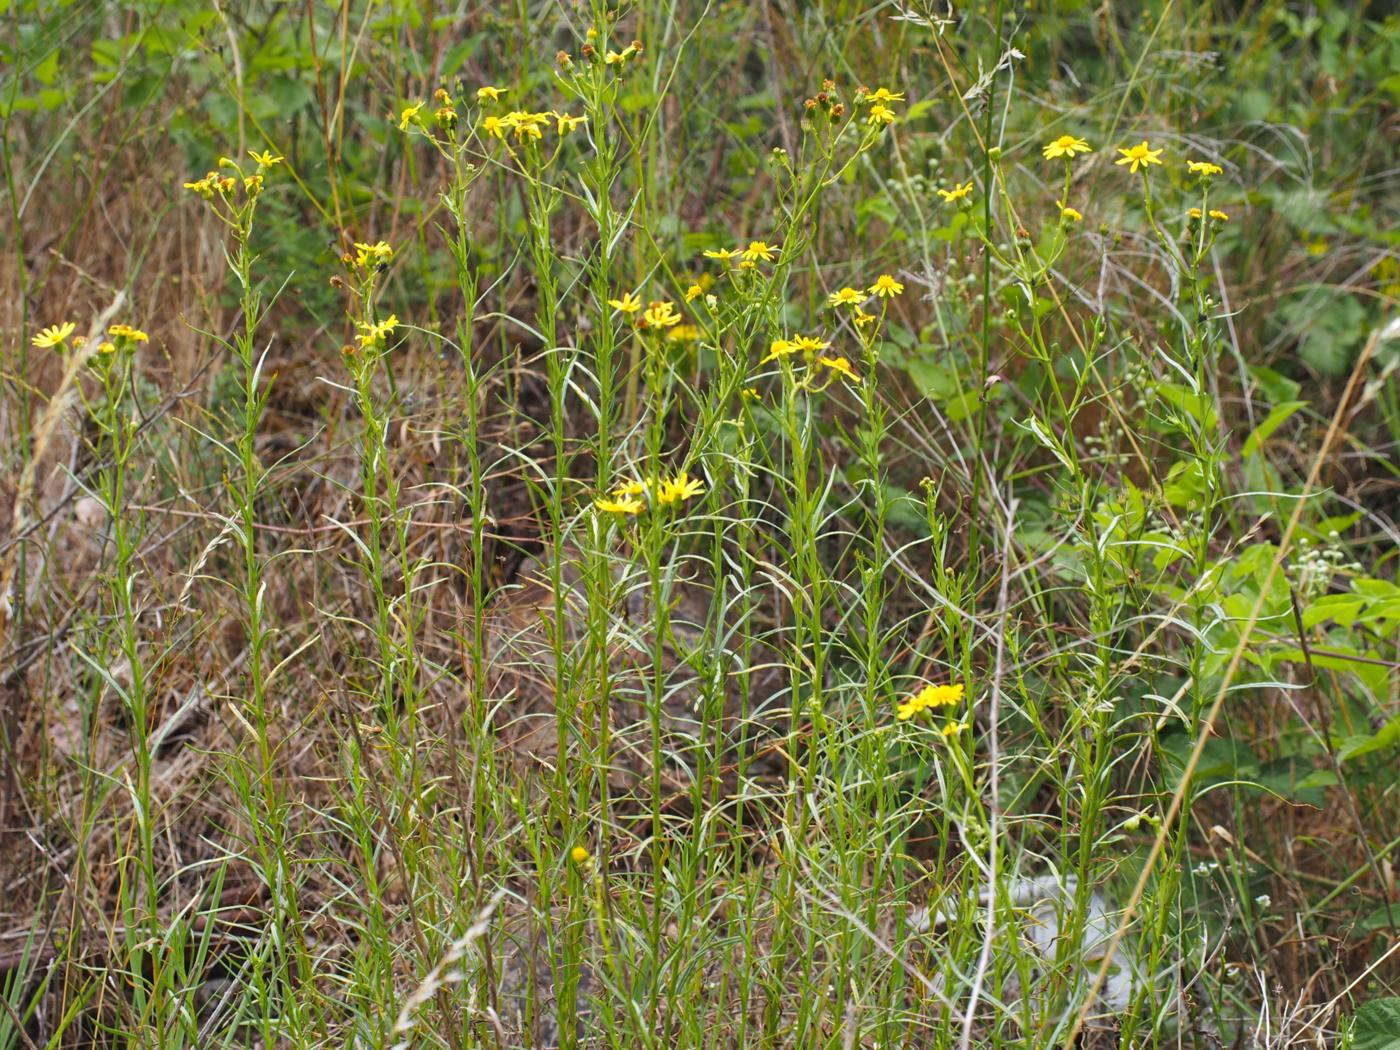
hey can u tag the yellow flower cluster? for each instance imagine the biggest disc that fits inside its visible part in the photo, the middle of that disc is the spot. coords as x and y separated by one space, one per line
374 334
627 498
784 347
529 127
749 256
928 698
223 185
368 256
880 115
125 331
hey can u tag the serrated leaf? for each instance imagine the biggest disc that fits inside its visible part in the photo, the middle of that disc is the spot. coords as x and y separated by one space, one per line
1376 1025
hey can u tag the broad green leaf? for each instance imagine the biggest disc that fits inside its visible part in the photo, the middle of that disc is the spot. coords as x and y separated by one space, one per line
1376 1025
1275 419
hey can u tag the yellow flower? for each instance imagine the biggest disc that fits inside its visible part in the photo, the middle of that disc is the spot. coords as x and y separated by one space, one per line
845 297
634 488
624 505
372 254
841 366
952 729
679 489
660 314
489 94
628 304
527 130
409 115
495 126
53 335
1069 213
722 254
957 193
1065 146
929 697
862 318
566 123
683 333
808 345
880 115
106 347
206 186
1139 156
886 287
779 348
1203 167
759 250
375 334
693 292
125 331
580 855
1218 216
883 95
265 159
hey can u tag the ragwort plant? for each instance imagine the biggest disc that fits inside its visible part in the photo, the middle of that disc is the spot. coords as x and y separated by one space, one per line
818 714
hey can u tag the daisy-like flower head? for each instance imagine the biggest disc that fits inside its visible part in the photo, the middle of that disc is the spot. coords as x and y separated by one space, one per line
565 123
759 250
580 855
929 697
1065 146
693 292
809 345
1218 215
862 318
53 335
621 505
628 304
1139 156
265 159
409 115
845 297
487 93
886 287
683 333
679 489
779 348
660 314
724 255
952 729
960 191
496 127
880 115
841 366
367 255
125 331
374 334
1203 168
881 96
